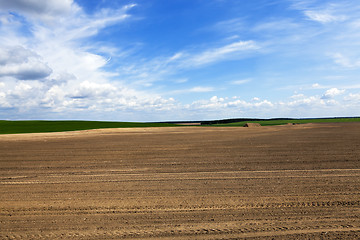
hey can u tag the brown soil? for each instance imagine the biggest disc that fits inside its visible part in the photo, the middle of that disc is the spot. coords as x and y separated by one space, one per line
284 182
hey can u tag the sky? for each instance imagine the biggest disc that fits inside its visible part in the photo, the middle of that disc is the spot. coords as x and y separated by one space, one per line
162 60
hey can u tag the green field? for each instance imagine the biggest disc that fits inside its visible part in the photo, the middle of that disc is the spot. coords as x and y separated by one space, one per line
10 127
282 122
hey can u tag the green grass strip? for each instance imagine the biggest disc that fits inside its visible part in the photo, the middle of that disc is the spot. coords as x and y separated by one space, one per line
12 127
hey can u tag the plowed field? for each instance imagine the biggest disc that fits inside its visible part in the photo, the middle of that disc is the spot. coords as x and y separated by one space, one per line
283 182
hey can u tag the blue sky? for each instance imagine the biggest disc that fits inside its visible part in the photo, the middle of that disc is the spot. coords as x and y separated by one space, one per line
159 60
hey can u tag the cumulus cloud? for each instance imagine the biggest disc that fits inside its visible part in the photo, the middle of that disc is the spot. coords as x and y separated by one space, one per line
64 73
92 90
297 106
44 10
332 93
22 64
37 6
316 86
218 103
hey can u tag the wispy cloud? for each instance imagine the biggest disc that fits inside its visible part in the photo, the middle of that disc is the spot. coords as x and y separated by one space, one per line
231 25
201 89
230 51
160 68
241 81
323 17
276 25
197 89
345 61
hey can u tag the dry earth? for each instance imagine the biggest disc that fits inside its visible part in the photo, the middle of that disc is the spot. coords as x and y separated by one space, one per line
284 182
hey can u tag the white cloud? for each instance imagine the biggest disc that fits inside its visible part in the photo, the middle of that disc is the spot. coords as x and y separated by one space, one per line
231 25
279 25
176 56
21 63
297 106
218 103
334 77
345 61
78 25
323 17
216 99
181 80
38 9
316 86
236 49
353 97
324 12
197 89
103 98
63 73
92 90
241 81
148 71
332 93
37 6
298 96
304 101
201 89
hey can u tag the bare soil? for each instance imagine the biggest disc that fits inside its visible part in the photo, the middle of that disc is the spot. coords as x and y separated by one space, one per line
282 182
